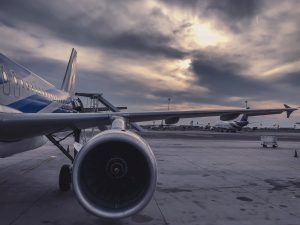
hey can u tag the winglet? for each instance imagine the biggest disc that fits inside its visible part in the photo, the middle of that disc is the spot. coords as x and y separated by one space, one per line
289 110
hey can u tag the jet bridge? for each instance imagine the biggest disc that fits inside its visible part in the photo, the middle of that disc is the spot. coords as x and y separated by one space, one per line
95 98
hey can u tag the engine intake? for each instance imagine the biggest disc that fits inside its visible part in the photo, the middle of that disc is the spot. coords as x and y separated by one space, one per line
114 174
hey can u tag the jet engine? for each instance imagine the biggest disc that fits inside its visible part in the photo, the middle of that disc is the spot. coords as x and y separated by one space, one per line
114 174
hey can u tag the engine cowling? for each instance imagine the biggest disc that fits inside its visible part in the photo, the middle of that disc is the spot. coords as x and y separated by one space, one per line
227 117
114 174
171 121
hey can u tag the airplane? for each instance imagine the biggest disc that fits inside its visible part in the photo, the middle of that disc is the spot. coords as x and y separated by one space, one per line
113 174
231 126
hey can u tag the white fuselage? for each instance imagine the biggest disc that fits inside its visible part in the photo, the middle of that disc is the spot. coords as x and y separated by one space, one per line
230 125
22 91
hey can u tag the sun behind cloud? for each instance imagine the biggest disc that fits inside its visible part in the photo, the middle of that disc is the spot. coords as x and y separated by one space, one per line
203 35
184 64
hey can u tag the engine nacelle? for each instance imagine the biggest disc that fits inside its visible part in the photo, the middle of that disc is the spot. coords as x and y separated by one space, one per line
226 117
114 174
172 120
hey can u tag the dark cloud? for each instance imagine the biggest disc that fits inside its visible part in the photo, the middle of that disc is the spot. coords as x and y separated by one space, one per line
236 10
79 27
226 77
155 44
290 79
236 15
188 4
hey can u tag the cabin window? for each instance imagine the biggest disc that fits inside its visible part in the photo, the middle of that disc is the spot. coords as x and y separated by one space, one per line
5 77
6 83
17 90
26 85
15 80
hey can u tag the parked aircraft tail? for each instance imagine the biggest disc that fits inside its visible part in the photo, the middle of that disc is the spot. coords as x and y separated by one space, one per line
244 118
289 112
68 84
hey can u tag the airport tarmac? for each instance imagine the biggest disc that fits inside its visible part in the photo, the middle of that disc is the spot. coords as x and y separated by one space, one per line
200 181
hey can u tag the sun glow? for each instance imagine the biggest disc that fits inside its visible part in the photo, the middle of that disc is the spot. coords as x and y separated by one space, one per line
184 64
204 35
192 32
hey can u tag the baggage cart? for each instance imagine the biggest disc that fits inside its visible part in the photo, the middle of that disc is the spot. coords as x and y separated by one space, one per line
269 141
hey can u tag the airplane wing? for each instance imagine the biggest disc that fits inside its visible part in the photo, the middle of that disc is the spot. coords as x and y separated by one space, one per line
14 126
224 114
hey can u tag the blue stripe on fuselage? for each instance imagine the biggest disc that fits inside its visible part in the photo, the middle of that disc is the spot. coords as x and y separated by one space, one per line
2 81
31 104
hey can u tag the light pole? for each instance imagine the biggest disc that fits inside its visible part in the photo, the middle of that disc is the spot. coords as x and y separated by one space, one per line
246 102
169 100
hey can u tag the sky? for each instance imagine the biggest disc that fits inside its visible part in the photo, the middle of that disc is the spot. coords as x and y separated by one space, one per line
205 54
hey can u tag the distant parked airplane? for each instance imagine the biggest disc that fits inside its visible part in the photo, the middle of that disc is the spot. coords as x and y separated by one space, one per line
231 126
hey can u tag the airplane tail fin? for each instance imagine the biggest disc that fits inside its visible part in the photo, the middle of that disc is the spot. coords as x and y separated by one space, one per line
68 84
289 110
244 117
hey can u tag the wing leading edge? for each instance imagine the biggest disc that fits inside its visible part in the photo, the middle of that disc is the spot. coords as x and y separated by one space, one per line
14 126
